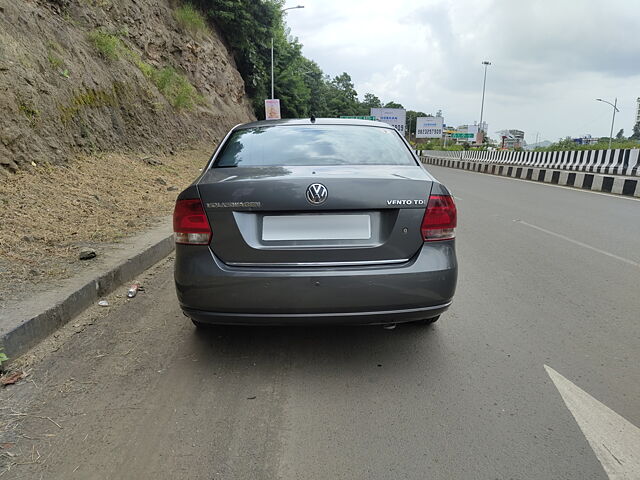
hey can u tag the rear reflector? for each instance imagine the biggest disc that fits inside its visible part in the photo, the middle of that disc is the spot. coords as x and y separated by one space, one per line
190 223
439 221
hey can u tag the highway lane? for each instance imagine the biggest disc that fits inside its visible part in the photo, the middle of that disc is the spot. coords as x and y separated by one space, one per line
139 394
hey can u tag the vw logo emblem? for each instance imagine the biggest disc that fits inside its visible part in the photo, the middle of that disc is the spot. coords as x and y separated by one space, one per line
317 193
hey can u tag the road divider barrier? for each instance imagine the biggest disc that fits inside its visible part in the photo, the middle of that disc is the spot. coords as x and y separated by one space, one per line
629 186
610 162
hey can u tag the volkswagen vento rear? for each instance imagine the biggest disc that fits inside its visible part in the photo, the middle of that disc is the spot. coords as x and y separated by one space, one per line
314 221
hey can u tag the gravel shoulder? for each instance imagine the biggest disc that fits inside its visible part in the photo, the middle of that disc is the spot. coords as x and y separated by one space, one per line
51 213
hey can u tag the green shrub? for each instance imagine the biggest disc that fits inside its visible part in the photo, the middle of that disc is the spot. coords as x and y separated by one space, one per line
55 61
603 144
29 111
173 85
146 69
3 358
109 46
190 19
89 98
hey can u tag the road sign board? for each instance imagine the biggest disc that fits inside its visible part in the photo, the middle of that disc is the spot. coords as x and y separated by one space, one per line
272 109
462 135
359 117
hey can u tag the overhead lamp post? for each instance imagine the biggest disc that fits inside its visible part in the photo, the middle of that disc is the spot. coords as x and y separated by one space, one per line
281 11
615 109
484 83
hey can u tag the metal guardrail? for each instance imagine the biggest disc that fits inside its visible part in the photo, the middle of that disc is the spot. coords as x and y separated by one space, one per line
599 182
611 162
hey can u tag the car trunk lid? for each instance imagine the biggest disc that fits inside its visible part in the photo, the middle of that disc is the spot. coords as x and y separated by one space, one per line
265 216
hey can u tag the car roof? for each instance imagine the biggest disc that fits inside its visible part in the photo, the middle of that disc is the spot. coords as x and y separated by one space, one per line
318 121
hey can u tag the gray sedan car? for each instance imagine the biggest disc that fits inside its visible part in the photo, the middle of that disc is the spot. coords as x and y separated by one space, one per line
314 221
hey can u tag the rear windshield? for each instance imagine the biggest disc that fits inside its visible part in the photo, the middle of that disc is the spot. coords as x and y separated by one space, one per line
314 145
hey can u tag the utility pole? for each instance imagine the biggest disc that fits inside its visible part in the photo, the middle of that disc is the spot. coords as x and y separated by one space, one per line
484 84
281 11
615 109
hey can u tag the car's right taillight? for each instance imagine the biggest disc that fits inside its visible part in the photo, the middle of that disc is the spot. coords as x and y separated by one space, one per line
190 223
439 221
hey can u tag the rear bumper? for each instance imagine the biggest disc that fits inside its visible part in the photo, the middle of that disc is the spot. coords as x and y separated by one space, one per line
210 291
351 318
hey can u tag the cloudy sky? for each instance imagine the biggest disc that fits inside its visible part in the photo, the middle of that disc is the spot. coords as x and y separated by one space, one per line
550 58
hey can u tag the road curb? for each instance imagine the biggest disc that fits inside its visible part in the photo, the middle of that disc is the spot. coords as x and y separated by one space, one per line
626 186
26 332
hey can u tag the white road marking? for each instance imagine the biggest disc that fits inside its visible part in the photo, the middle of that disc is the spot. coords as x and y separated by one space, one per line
614 440
566 187
582 244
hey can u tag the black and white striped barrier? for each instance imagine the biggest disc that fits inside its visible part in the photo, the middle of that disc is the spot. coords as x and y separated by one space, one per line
611 162
585 180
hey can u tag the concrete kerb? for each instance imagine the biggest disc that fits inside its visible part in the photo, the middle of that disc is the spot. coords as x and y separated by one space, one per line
24 325
626 186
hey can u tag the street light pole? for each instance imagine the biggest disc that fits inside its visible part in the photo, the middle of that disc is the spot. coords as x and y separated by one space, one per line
281 11
615 109
484 83
271 68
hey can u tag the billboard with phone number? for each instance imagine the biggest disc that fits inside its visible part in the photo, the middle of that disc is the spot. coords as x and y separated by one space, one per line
396 117
429 127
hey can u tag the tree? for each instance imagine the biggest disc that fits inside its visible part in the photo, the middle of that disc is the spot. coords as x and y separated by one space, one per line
248 27
620 134
636 132
342 96
314 80
393 105
371 101
411 119
290 85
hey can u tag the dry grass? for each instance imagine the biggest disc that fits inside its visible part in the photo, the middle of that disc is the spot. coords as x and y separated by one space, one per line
48 212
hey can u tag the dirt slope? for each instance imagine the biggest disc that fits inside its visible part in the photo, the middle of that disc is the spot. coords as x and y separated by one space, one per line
85 76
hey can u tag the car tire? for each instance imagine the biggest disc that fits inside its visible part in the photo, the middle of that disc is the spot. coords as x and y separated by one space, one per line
427 321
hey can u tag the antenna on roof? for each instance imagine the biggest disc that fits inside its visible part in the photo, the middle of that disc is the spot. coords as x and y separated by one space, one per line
313 119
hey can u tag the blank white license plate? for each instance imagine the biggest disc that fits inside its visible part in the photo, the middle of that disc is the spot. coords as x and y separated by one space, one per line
316 227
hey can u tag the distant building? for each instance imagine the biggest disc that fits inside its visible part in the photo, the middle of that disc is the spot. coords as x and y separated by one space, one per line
511 139
585 140
638 110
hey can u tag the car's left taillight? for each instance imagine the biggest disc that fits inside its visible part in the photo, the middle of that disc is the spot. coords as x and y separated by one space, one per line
440 219
190 223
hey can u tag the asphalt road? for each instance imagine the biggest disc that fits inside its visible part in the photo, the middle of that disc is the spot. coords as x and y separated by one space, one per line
548 276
